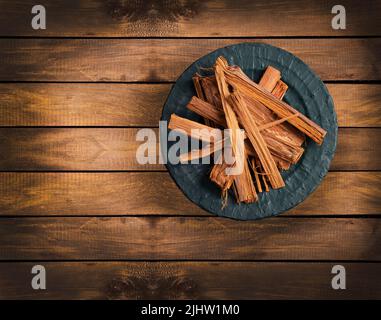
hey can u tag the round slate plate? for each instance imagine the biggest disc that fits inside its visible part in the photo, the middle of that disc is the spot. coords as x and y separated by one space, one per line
306 93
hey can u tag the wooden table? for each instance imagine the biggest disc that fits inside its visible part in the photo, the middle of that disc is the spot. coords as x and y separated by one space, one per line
74 199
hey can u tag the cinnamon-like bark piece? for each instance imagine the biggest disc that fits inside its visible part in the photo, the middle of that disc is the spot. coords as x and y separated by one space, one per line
275 123
210 87
198 87
219 176
279 90
262 114
244 184
207 111
200 93
239 80
257 141
256 175
283 134
269 78
271 82
282 148
194 129
203 152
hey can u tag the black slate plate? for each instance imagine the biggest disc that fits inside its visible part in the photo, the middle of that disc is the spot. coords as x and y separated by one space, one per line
306 93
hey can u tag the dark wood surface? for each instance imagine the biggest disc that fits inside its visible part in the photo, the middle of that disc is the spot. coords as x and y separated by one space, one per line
73 197
190 280
140 105
132 60
189 238
154 193
59 149
192 18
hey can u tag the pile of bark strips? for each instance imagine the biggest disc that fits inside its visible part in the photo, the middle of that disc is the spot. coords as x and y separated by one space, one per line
267 135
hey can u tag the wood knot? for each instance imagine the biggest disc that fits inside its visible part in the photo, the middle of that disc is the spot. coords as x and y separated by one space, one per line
153 10
152 288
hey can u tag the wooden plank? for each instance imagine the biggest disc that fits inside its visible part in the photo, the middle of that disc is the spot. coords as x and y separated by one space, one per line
138 193
111 104
184 238
92 193
357 105
165 59
343 193
358 149
190 280
115 149
81 104
71 149
190 18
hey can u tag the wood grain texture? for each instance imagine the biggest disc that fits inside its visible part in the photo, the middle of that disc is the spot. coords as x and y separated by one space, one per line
358 149
155 193
180 238
82 104
58 216
190 280
115 149
165 59
111 104
190 18
357 105
92 193
71 149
